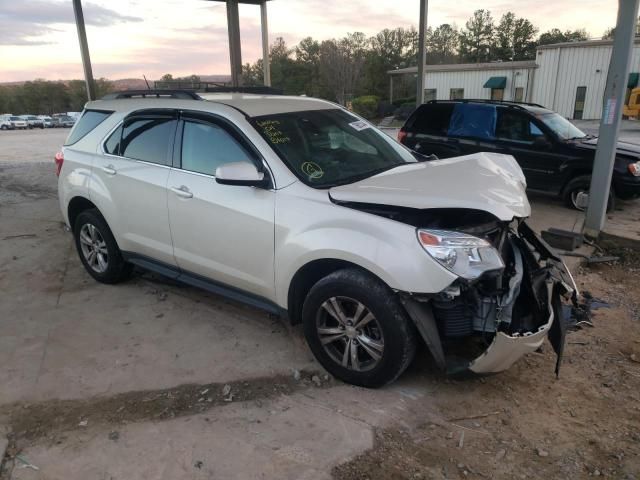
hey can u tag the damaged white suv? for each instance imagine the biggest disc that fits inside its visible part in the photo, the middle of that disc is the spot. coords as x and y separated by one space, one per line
301 208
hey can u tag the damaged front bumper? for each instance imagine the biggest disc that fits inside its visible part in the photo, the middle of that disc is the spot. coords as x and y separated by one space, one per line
537 285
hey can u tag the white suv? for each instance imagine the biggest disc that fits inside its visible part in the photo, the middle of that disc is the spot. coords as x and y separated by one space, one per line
301 208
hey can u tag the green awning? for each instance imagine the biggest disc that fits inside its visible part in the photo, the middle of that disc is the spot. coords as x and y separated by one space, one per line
633 80
496 82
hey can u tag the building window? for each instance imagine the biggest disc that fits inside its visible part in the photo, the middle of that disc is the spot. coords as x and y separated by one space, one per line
497 94
578 108
430 94
456 94
519 95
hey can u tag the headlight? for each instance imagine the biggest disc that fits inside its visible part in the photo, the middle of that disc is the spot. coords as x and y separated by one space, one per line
634 169
463 254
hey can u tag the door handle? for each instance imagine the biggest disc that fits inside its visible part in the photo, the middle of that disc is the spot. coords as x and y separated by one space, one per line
109 170
182 191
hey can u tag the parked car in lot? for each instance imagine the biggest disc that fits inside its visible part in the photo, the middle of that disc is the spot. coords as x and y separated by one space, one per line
5 123
33 121
46 121
18 123
555 156
63 121
299 207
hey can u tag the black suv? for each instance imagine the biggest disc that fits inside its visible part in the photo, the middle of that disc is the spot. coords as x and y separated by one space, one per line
555 156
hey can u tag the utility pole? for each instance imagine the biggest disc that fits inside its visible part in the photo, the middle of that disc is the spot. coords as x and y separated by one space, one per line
422 54
233 25
266 67
84 50
611 115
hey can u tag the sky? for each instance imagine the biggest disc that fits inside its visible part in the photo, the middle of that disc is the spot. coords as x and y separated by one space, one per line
131 38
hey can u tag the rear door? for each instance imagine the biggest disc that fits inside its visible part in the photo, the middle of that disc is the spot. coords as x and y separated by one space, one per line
427 131
131 183
222 232
520 135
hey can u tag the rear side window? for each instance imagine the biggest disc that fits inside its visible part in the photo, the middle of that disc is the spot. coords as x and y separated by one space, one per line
148 139
206 146
432 119
89 120
473 121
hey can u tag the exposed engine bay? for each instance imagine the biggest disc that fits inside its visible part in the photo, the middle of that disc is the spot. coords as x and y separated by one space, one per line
485 324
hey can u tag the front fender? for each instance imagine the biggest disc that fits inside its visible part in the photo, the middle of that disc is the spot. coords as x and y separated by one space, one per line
384 247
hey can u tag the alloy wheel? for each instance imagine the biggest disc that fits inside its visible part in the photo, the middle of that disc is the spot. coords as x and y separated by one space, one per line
350 333
94 248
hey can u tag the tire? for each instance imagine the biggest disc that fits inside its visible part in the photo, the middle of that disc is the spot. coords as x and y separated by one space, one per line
92 234
385 324
582 183
4 127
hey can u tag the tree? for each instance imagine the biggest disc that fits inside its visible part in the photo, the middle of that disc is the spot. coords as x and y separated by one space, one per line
476 39
341 63
167 77
442 44
524 40
556 35
504 36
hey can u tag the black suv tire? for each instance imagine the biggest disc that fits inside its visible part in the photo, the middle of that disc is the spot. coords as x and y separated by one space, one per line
583 183
98 250
375 327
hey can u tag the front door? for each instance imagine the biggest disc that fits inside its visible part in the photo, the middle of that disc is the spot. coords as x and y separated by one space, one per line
222 232
518 134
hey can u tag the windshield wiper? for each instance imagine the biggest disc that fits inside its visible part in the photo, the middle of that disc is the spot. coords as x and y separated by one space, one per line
362 176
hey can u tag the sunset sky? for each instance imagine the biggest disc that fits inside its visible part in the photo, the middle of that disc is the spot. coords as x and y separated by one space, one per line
129 38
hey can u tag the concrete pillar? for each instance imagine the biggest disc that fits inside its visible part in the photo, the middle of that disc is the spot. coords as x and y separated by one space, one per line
422 53
84 50
614 93
266 67
235 55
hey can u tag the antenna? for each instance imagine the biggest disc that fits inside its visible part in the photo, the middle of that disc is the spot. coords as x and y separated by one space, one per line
145 81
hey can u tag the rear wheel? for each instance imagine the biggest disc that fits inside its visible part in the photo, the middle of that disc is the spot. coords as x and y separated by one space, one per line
581 185
98 249
357 329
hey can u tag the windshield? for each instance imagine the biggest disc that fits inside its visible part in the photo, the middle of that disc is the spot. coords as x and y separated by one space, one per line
15 119
324 148
561 126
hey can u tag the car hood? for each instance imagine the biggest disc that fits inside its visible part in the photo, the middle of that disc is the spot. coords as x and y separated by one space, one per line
626 148
483 181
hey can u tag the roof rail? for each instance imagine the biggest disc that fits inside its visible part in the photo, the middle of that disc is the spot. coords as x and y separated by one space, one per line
259 89
180 94
508 103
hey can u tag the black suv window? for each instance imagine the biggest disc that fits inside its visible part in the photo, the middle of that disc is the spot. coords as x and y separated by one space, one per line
206 146
89 120
432 119
516 126
473 120
148 139
112 145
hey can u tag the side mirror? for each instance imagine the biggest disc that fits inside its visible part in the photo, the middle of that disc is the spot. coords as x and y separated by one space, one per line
240 173
542 143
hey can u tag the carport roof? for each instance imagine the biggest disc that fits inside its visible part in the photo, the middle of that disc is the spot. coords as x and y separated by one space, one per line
455 67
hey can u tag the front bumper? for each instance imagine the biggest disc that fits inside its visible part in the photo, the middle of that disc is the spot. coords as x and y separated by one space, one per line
505 349
548 281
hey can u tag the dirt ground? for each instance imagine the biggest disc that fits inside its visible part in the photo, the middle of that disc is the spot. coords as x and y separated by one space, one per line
156 380
526 424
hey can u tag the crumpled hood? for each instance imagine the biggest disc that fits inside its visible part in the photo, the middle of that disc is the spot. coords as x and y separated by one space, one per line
483 181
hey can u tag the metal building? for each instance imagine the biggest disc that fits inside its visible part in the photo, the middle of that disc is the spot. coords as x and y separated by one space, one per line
568 78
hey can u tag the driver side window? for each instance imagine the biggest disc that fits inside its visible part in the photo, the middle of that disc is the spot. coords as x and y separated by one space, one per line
206 146
514 126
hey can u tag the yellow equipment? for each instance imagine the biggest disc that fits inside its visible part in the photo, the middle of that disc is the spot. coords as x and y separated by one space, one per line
632 108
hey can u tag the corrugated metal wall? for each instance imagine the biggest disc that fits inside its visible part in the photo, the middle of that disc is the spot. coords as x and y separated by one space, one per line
562 70
472 82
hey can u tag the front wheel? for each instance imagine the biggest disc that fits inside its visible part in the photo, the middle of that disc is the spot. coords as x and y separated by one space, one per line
357 329
579 185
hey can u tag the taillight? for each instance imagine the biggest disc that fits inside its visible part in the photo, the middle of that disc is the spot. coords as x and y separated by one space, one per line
401 135
59 159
